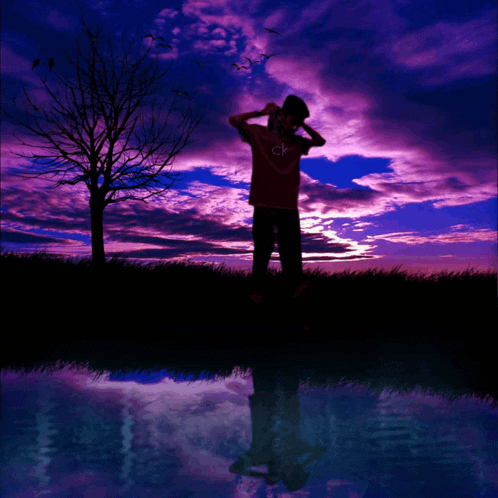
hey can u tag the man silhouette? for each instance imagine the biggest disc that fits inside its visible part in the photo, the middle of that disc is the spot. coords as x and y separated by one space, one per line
276 152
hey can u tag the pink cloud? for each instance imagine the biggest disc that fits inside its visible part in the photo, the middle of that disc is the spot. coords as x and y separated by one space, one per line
168 13
57 20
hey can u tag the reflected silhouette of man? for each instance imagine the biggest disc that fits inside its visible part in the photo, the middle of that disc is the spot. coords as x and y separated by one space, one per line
276 436
276 153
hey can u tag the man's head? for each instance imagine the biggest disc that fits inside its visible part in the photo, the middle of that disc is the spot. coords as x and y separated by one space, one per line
290 117
289 121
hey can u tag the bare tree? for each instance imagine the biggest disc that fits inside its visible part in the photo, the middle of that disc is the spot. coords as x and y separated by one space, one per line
77 149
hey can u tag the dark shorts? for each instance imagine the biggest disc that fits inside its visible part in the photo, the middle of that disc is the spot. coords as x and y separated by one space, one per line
288 232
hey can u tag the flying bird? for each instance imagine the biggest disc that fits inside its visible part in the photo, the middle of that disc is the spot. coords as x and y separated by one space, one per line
154 37
167 45
268 56
35 63
272 31
50 64
250 61
241 67
200 65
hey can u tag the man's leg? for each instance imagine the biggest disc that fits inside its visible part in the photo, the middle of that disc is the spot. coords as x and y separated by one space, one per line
289 247
264 240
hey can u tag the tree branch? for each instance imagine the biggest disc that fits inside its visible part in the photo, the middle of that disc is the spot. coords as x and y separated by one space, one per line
100 94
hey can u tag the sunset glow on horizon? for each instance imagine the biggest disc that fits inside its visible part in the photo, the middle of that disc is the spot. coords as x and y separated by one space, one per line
404 94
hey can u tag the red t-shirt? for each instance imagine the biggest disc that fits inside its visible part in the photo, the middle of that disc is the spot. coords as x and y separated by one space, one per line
275 166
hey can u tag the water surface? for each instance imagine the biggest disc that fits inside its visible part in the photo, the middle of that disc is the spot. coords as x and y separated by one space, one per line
67 434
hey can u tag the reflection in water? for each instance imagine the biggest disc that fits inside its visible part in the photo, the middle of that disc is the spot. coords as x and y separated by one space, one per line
276 434
68 435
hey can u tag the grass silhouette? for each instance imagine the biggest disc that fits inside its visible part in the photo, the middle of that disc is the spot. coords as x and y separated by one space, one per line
45 289
193 317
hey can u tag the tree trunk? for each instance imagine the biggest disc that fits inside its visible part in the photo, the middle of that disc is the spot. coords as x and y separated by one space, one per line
97 216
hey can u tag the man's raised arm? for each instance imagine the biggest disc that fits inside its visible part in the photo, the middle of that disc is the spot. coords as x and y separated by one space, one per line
236 120
317 138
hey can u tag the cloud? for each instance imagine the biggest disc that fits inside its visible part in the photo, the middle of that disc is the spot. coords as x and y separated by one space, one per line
57 20
411 238
168 14
446 51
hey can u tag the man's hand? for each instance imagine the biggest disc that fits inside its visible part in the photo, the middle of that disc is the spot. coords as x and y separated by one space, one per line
317 138
270 108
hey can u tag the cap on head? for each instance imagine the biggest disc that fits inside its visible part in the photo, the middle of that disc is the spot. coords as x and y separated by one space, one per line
292 105
295 106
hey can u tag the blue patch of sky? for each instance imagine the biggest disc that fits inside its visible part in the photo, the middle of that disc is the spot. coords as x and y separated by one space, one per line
342 172
59 235
204 175
424 218
157 376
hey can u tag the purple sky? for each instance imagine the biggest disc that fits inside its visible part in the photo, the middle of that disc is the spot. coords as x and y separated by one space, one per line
403 92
